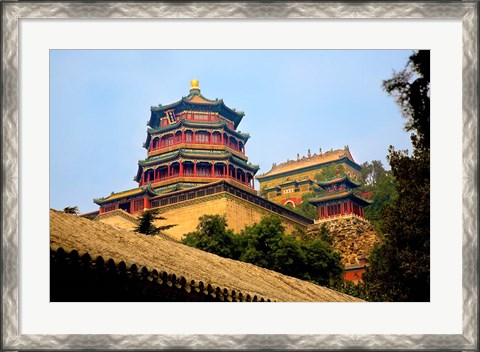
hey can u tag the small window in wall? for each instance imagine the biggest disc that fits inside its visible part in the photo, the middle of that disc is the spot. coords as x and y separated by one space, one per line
201 117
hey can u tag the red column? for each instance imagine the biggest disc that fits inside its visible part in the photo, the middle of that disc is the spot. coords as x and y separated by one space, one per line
341 208
222 140
131 207
193 137
210 140
100 210
235 173
145 203
349 211
213 170
183 136
194 169
181 169
168 171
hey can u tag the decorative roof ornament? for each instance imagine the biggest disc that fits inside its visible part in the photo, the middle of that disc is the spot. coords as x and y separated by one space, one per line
194 86
309 154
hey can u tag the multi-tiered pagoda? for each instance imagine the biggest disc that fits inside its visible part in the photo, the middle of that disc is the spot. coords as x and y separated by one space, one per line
195 165
339 199
194 141
191 142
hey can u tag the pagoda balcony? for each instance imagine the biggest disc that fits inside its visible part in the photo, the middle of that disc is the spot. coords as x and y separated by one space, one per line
228 145
199 138
188 145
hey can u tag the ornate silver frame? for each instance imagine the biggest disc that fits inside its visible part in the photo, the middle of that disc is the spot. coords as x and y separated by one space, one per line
13 11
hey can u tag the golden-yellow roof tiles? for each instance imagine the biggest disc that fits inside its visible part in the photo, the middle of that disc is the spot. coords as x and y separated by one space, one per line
125 194
308 162
199 99
154 252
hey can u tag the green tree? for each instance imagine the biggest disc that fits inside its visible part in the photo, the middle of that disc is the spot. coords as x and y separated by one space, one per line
372 173
323 264
261 240
381 184
330 171
213 236
321 232
146 223
310 258
71 210
265 244
305 208
400 266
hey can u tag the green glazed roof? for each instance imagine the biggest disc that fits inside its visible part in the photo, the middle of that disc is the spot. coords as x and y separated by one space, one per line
336 179
187 103
339 195
243 136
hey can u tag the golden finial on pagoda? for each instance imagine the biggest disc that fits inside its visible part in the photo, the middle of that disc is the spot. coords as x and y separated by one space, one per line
194 85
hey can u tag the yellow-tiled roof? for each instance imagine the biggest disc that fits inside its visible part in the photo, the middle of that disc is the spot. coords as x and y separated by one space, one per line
331 196
155 253
124 194
308 162
199 99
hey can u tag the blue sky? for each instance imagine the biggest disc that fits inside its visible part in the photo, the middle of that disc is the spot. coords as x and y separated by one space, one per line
293 100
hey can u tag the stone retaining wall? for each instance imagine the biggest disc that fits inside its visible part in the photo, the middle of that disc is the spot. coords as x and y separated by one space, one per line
353 237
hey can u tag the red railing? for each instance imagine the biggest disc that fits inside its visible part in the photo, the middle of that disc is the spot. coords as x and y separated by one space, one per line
165 145
246 183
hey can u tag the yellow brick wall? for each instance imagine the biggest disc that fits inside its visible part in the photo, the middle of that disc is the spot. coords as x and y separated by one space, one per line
185 215
241 214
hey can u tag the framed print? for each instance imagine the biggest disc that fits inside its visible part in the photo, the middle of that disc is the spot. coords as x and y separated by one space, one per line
48 48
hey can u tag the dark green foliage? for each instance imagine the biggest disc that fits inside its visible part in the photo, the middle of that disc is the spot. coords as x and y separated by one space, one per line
352 289
71 210
321 233
411 89
310 259
323 265
212 236
146 226
381 184
265 244
400 266
329 172
305 208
